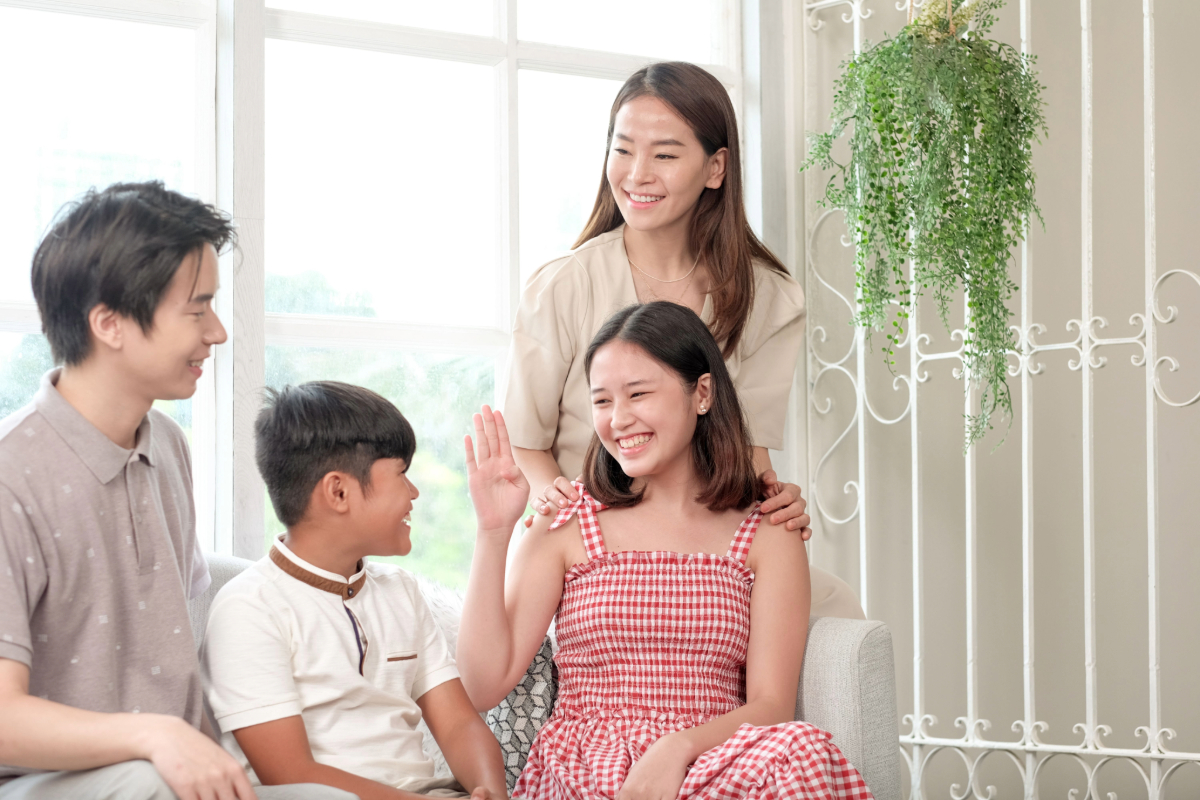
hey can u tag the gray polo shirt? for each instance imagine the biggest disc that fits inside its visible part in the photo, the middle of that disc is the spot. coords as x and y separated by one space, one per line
97 544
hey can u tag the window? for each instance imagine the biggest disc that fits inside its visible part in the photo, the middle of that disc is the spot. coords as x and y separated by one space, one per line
87 112
415 162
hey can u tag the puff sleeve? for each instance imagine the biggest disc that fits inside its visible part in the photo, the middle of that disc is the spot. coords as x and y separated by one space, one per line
546 335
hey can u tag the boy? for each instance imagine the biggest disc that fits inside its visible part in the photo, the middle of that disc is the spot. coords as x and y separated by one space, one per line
320 664
99 687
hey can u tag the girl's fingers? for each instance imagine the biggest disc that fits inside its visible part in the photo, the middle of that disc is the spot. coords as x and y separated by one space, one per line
481 438
502 435
489 429
470 447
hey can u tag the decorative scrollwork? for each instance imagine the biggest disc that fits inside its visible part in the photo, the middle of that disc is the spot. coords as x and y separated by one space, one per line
857 10
972 729
918 725
816 483
1092 735
1156 741
1169 772
1030 732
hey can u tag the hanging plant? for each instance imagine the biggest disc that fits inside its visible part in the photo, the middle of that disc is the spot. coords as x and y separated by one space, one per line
941 126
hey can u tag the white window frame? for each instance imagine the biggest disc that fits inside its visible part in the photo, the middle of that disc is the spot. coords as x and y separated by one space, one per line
232 34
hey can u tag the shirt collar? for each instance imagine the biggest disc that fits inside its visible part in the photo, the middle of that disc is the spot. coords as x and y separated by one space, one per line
318 578
104 457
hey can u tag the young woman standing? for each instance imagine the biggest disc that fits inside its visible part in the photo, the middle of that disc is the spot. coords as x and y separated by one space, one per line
668 224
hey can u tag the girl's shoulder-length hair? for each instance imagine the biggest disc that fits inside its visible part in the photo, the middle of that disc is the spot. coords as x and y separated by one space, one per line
719 232
675 337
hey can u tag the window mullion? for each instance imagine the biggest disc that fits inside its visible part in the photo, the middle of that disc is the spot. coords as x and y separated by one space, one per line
509 180
240 190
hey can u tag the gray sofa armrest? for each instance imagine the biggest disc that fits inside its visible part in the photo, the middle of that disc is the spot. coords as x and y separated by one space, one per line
848 688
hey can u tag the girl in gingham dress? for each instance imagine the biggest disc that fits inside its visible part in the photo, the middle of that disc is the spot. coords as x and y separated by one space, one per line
681 623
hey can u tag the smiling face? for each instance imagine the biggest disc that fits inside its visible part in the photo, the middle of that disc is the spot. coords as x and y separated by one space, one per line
644 415
657 168
382 516
165 362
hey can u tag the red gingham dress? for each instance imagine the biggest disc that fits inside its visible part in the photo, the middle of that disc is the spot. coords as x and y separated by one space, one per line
650 643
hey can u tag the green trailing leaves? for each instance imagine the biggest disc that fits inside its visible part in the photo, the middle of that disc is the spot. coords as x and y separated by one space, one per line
941 130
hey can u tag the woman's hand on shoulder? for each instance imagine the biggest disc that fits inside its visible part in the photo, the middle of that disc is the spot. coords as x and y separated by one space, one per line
497 487
784 505
555 497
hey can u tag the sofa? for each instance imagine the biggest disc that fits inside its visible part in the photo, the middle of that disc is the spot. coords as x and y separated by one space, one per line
847 687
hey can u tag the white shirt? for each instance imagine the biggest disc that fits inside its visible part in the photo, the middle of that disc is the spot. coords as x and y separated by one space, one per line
280 642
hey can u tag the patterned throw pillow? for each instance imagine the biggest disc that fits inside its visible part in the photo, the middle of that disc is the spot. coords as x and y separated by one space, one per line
518 717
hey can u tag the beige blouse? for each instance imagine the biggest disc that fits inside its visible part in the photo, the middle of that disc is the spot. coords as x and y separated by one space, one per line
547 404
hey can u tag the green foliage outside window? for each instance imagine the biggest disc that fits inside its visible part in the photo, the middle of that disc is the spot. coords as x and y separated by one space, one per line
436 392
941 125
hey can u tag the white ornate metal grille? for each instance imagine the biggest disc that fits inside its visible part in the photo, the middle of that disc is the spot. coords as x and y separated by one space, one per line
1155 762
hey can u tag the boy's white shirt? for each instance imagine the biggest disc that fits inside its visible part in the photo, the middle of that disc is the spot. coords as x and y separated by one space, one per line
276 646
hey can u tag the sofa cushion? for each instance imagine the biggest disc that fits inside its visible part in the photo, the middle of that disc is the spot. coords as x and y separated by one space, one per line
519 717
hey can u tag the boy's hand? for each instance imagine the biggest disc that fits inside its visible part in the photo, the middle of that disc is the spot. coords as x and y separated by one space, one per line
193 765
498 489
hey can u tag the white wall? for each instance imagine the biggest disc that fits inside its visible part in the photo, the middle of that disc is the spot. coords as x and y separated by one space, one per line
1119 419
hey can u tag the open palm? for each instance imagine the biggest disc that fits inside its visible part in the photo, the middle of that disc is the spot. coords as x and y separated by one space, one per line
498 489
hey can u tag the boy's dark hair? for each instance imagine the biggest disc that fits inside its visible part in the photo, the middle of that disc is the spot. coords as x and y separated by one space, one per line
675 337
120 247
306 431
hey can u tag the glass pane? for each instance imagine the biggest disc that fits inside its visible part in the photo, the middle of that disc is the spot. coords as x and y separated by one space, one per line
563 130
463 16
437 393
687 30
25 358
380 186
86 111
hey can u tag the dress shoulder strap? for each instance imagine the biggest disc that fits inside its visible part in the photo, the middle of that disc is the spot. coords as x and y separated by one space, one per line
586 507
739 548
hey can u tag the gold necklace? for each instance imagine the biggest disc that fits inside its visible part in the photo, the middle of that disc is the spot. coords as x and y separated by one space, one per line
660 280
678 300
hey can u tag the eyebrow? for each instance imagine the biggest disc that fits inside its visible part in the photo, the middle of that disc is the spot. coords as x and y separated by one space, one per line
673 142
201 298
638 382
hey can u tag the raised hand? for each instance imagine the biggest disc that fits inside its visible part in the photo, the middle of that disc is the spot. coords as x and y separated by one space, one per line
498 489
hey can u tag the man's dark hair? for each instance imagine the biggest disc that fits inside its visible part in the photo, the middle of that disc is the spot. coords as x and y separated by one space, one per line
675 337
305 432
120 247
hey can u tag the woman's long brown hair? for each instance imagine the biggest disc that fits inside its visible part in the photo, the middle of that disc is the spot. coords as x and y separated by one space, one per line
719 232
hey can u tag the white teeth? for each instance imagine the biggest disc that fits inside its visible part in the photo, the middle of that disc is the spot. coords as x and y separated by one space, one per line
196 363
645 198
634 441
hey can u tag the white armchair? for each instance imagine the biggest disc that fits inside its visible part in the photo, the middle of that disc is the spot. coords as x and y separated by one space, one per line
848 686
